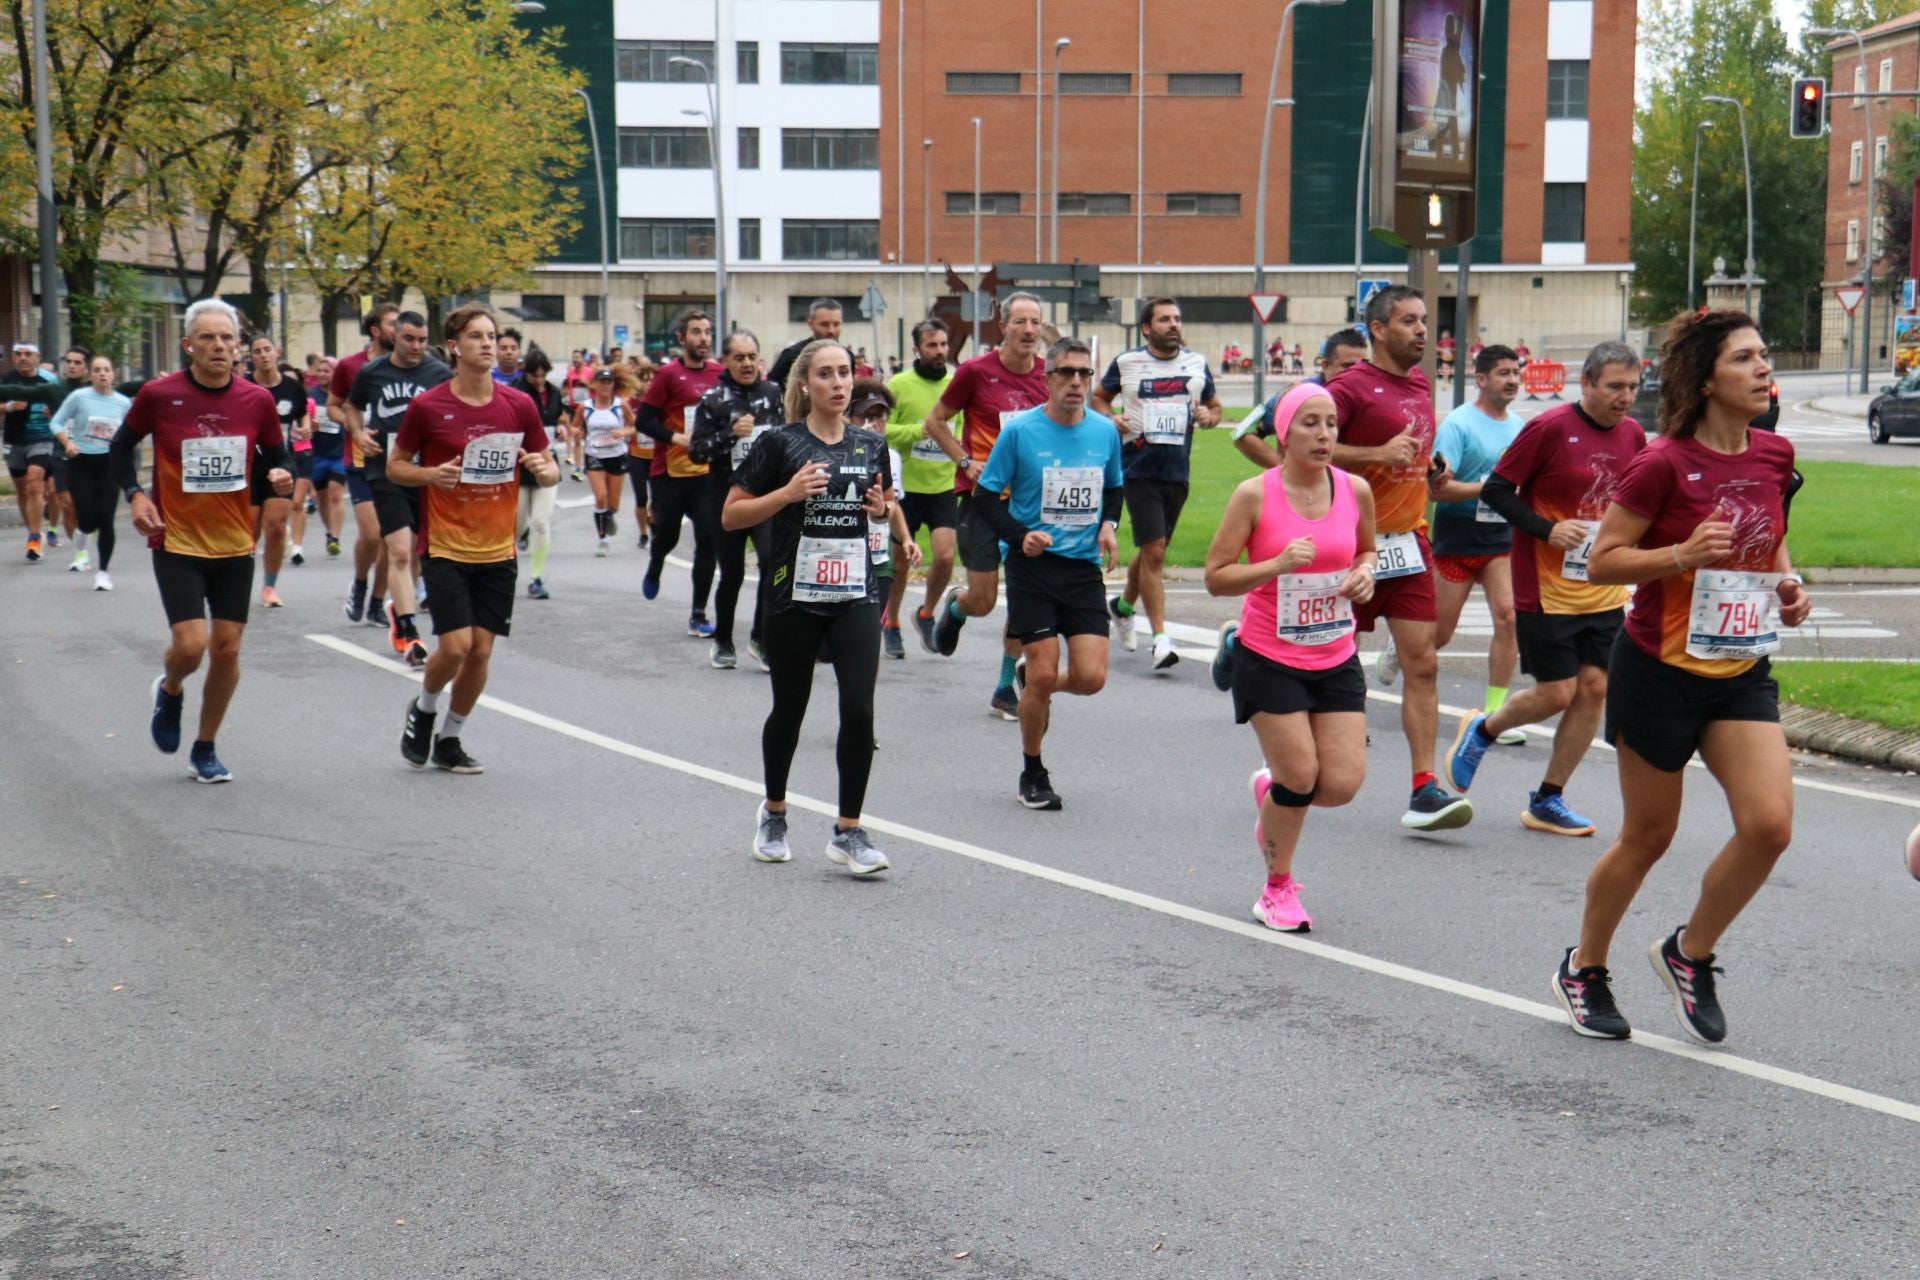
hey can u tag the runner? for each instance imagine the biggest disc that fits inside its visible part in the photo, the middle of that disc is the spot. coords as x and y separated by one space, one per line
462 442
1306 530
1342 349
1385 411
815 481
824 318
377 326
679 484
1470 538
605 423
273 513
206 426
891 550
507 358
1696 522
1553 485
303 496
85 425
30 445
579 392
926 476
329 470
987 391
1051 493
729 420
640 450
1168 391
535 516
381 392
60 511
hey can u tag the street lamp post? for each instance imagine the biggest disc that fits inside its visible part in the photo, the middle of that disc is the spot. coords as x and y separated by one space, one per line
1746 160
926 227
1866 273
600 187
1693 218
1260 193
1360 209
712 116
1060 46
49 227
976 202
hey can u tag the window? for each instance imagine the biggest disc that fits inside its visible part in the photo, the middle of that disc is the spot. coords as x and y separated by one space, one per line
1853 162
750 148
1853 240
983 82
590 308
797 304
1886 75
543 306
650 61
664 147
1224 310
1097 202
1567 90
820 240
1879 156
1859 85
748 247
1203 84
1215 204
1564 217
666 237
1083 82
960 203
829 64
830 148
746 62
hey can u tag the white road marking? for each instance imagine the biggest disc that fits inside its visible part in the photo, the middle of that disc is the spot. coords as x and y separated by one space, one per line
1179 911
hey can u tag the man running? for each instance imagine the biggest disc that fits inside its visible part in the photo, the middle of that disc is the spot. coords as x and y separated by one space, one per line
507 357
1384 408
824 318
30 446
1051 490
206 426
1470 538
679 485
988 391
1343 349
464 442
728 422
275 510
1168 391
381 392
1553 485
377 325
927 501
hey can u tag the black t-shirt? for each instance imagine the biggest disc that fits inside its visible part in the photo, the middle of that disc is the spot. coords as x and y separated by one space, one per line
382 391
552 407
820 548
290 402
783 363
713 440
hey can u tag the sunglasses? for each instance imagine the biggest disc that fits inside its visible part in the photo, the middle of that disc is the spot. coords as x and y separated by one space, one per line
1072 371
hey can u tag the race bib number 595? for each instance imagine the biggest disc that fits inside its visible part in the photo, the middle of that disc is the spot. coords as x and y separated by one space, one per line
490 459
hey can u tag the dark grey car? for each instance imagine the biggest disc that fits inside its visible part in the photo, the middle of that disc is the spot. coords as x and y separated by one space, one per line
1895 411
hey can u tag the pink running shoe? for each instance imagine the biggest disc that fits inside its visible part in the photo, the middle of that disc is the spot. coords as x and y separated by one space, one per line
1262 781
1280 909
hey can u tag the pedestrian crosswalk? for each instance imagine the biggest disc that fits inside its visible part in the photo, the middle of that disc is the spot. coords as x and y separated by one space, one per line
1851 431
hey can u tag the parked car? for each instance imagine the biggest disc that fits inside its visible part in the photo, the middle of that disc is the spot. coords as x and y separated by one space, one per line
1646 403
1895 411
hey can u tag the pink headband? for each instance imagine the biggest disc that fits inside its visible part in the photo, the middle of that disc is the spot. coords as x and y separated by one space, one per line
1289 404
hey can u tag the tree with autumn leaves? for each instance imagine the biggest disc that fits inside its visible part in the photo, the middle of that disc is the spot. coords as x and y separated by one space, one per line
360 148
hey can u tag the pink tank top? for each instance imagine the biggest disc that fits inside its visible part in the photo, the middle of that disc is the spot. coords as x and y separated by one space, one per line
1320 625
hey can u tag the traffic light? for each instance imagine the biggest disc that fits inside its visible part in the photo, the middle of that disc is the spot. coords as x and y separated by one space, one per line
1809 113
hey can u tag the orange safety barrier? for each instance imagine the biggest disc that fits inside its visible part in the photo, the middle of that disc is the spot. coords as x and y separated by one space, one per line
1544 377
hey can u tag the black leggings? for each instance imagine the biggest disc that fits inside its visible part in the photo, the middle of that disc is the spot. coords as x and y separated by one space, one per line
90 478
793 641
675 497
733 574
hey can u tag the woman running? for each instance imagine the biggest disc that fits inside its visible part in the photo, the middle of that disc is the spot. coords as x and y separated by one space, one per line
1306 529
84 426
607 425
640 450
818 480
1697 523
536 500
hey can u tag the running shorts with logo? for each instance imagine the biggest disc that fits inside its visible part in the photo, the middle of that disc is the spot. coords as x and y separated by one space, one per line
1049 595
193 587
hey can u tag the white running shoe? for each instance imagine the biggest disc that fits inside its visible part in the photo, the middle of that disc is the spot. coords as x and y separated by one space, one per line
1163 654
80 563
604 545
1387 670
1512 738
1122 626
770 836
101 582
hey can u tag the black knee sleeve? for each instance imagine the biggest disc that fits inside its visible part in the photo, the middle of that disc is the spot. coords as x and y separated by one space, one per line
1292 799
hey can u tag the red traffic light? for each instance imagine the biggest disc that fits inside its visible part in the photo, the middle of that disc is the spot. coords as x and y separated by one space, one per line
1807 108
1810 92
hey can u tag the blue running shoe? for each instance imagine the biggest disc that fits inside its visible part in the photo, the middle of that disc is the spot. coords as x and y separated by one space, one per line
166 716
1223 655
205 766
1553 816
1468 749
649 587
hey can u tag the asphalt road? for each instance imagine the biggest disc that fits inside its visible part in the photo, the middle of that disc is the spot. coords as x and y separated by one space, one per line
341 1019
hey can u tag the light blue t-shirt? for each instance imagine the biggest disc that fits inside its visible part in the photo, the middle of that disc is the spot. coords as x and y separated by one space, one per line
1056 477
1472 443
89 419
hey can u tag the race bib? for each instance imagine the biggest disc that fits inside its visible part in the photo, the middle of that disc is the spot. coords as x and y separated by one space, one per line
1165 421
1573 565
877 540
101 429
1008 415
327 426
1484 514
602 438
1399 556
1070 496
927 451
491 459
1732 614
743 445
830 571
1309 609
213 464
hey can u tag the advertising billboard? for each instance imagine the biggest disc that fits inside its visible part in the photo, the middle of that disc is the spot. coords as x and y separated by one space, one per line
1426 76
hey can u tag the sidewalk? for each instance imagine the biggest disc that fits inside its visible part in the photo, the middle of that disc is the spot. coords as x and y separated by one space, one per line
1852 408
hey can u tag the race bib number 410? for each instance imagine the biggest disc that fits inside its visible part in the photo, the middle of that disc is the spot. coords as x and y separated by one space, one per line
1165 421
491 459
213 464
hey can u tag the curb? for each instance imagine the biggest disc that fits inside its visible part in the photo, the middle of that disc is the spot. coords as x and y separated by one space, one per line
1873 574
1813 730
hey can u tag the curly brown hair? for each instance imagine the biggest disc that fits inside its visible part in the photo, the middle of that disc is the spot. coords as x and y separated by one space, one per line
1688 351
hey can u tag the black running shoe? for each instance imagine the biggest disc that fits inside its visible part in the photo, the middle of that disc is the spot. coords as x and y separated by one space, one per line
448 755
946 627
1036 790
356 606
1587 996
1690 983
1432 809
416 737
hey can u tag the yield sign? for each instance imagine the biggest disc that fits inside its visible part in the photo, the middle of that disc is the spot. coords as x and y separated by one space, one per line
1265 304
1849 298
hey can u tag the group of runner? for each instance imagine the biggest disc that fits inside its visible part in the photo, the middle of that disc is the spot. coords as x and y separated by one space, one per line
831 477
